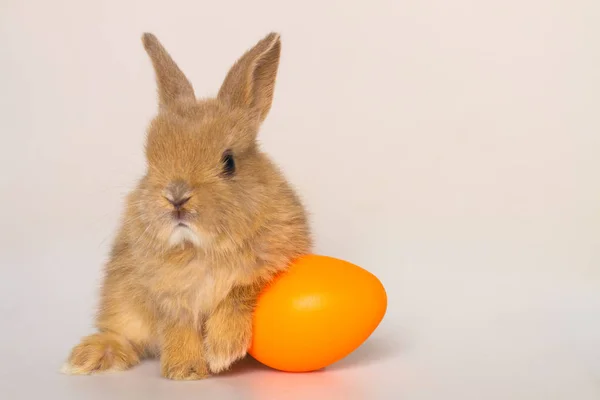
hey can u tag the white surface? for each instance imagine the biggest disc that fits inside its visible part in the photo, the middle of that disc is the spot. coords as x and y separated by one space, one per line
450 147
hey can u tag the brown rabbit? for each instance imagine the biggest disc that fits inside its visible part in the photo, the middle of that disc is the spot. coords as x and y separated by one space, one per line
210 223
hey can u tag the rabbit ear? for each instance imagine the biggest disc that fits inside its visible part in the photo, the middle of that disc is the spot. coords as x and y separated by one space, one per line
173 86
251 81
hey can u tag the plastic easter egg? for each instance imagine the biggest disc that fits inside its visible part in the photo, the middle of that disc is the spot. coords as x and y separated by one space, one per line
316 313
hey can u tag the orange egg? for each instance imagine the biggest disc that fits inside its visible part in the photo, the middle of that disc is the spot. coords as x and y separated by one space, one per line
315 314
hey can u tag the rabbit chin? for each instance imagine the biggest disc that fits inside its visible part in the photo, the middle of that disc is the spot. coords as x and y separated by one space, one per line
182 234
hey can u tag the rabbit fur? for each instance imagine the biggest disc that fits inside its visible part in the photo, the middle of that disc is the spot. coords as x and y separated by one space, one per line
210 223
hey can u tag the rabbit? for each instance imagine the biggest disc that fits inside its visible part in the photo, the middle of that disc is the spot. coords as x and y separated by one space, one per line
212 221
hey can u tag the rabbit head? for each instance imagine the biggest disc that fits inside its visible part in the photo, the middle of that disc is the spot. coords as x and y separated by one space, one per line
207 182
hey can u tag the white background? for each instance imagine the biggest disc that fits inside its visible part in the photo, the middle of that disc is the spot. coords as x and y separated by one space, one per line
450 147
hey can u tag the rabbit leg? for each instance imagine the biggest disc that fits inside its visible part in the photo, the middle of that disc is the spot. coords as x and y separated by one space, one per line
182 353
102 352
228 330
124 337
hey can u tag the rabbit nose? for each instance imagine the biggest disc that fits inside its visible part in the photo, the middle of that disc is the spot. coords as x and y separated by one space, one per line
177 193
177 203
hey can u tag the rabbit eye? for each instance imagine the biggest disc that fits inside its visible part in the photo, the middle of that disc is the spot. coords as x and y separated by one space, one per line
228 163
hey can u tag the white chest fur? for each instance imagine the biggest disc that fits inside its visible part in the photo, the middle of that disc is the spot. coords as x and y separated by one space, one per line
192 291
211 289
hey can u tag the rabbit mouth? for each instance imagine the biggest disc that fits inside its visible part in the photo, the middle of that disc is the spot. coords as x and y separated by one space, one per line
183 232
